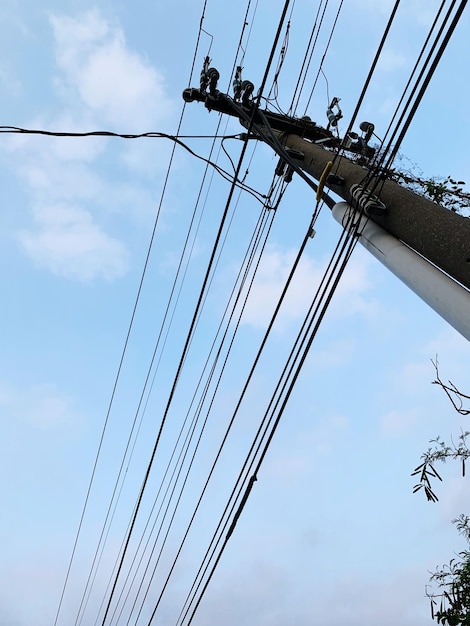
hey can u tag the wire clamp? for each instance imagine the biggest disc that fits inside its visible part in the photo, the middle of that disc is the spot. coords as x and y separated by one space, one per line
367 201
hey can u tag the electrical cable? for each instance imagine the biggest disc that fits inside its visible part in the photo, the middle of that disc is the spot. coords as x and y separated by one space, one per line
179 436
388 154
201 402
157 345
428 77
324 55
349 237
139 499
175 138
305 65
123 351
182 359
372 67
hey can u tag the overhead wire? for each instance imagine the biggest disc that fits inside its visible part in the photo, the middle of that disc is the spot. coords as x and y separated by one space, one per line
170 397
302 356
427 79
293 371
333 28
205 393
162 326
308 53
227 326
373 66
387 154
126 341
245 24
194 396
187 341
175 138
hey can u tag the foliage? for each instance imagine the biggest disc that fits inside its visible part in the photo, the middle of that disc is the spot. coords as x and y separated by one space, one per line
446 192
453 579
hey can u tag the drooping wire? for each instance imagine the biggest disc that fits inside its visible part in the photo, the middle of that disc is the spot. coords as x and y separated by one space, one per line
308 53
324 55
175 138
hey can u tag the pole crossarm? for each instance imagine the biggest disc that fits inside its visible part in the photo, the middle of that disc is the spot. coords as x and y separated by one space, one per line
303 127
439 235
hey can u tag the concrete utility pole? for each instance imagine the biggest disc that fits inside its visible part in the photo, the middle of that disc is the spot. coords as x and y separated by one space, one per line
441 236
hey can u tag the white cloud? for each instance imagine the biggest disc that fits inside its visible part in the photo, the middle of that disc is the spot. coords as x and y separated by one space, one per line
399 423
114 82
101 83
391 60
350 297
69 243
43 407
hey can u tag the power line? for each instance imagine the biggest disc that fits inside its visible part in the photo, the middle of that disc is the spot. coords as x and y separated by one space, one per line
266 432
125 344
325 53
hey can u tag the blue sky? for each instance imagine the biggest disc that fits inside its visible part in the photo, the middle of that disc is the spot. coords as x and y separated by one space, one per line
331 534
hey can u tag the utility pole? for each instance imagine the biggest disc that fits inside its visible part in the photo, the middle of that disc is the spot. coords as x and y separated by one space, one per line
441 237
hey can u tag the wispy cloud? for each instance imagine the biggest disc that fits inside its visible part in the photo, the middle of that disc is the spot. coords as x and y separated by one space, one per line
399 423
68 243
352 296
118 85
42 407
100 83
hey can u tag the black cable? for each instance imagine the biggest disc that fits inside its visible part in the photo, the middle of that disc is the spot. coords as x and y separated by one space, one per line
277 420
18 130
415 68
170 300
324 54
2 129
389 153
177 376
196 418
428 76
373 66
194 316
208 558
306 64
194 396
175 138
245 387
